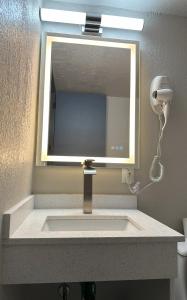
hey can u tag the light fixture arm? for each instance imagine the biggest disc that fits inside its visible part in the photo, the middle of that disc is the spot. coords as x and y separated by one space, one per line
92 25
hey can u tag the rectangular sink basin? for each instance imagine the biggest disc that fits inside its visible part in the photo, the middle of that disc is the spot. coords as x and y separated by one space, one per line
89 223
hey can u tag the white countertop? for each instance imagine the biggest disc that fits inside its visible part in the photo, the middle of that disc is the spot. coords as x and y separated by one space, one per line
139 248
30 229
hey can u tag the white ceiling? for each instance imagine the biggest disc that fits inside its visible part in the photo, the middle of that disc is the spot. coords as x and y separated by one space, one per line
173 7
90 69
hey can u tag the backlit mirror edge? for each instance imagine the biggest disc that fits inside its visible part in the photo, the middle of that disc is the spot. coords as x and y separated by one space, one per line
41 150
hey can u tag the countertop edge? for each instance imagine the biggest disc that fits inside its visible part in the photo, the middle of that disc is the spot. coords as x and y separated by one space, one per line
91 240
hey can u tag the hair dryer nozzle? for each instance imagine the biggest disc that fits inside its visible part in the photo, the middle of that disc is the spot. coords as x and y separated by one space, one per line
163 95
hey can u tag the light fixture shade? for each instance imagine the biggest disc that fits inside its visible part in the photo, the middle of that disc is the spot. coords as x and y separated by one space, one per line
79 18
62 16
122 22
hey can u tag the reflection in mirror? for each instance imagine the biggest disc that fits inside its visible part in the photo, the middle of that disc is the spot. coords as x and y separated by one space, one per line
90 93
89 103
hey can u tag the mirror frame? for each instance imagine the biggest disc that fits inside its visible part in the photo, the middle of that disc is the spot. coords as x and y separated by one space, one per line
42 156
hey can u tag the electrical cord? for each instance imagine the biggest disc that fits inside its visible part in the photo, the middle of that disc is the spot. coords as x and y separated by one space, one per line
156 162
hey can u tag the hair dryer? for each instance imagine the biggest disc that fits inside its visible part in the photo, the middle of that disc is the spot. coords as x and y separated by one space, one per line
160 99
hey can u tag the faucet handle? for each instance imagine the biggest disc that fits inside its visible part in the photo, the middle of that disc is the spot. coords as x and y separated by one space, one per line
88 169
88 163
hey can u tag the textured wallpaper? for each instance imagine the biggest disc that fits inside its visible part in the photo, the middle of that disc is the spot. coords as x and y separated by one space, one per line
19 56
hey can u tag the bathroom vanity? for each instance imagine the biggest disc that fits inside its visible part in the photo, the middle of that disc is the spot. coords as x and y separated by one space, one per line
47 238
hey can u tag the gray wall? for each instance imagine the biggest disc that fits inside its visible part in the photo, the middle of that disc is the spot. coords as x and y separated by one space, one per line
86 134
163 45
19 55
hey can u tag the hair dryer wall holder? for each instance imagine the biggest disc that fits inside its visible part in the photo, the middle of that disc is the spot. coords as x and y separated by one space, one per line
160 94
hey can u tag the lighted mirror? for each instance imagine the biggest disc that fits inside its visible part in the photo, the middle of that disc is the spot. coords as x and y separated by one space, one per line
89 95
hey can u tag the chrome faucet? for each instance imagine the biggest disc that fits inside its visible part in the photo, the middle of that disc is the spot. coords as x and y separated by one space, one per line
88 171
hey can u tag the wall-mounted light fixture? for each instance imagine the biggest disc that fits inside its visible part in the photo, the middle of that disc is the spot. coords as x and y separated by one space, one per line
81 18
